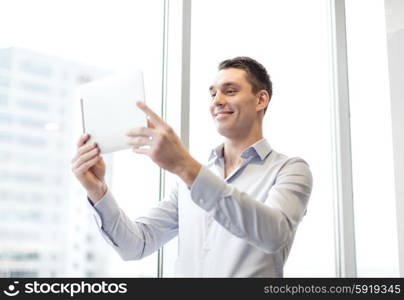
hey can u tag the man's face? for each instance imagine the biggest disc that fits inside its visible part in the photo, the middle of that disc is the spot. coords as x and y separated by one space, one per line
234 105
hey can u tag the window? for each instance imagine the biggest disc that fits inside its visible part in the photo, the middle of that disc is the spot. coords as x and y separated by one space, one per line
4 81
372 145
36 68
298 118
34 88
31 123
3 100
40 122
5 60
32 104
5 118
5 137
38 75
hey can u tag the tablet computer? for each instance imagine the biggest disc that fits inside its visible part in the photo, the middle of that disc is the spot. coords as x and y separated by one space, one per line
109 110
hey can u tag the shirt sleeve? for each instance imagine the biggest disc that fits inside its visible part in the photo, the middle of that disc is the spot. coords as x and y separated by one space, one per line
268 226
137 239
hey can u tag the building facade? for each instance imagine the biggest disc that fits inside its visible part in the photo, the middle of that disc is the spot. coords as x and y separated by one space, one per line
45 227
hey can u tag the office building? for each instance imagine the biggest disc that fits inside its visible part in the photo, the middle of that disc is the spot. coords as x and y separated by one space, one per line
45 229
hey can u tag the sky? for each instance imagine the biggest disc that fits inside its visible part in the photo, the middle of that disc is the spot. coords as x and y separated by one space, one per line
102 33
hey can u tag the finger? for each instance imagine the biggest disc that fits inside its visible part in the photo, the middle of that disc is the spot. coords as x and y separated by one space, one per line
150 124
139 141
85 157
86 148
101 159
87 165
153 116
140 131
83 149
83 139
144 151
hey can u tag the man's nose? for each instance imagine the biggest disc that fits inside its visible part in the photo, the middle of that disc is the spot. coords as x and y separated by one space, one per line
219 99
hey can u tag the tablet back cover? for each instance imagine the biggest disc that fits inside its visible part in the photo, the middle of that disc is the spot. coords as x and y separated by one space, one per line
109 110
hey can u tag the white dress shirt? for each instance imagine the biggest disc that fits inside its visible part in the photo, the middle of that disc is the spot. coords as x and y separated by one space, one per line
239 226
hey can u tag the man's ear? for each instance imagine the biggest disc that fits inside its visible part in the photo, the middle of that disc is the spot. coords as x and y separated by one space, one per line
262 100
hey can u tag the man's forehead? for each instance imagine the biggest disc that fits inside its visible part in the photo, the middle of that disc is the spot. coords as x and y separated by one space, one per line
228 77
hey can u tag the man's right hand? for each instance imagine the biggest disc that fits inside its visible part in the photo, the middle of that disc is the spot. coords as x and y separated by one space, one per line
89 168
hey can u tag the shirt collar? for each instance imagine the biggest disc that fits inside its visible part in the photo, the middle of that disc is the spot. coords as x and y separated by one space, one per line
217 152
260 148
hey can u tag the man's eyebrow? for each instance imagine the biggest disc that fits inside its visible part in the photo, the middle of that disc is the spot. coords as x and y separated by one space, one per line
226 84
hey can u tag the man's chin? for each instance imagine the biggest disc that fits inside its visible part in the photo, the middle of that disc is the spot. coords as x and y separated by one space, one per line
226 131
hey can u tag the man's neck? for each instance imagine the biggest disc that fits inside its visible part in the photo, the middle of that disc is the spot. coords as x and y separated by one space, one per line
233 148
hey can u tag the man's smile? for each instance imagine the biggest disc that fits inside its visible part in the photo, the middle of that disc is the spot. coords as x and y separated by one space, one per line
222 114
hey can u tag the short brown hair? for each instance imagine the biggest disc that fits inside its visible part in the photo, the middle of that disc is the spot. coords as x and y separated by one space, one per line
257 75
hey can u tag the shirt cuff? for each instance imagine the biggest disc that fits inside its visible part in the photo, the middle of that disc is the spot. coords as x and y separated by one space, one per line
106 210
208 188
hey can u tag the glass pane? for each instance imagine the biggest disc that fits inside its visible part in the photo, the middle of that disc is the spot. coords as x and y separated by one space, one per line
291 39
47 48
372 152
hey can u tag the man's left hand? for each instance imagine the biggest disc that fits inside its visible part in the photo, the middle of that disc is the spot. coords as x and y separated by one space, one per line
164 147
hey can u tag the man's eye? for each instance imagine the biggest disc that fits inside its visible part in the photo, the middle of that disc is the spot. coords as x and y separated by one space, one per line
230 91
213 95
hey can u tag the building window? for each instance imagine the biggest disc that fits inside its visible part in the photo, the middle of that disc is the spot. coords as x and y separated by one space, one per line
6 118
33 105
32 123
35 88
23 273
36 68
5 59
4 81
3 99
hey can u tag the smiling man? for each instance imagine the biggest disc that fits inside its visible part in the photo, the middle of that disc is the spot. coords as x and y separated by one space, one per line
236 215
